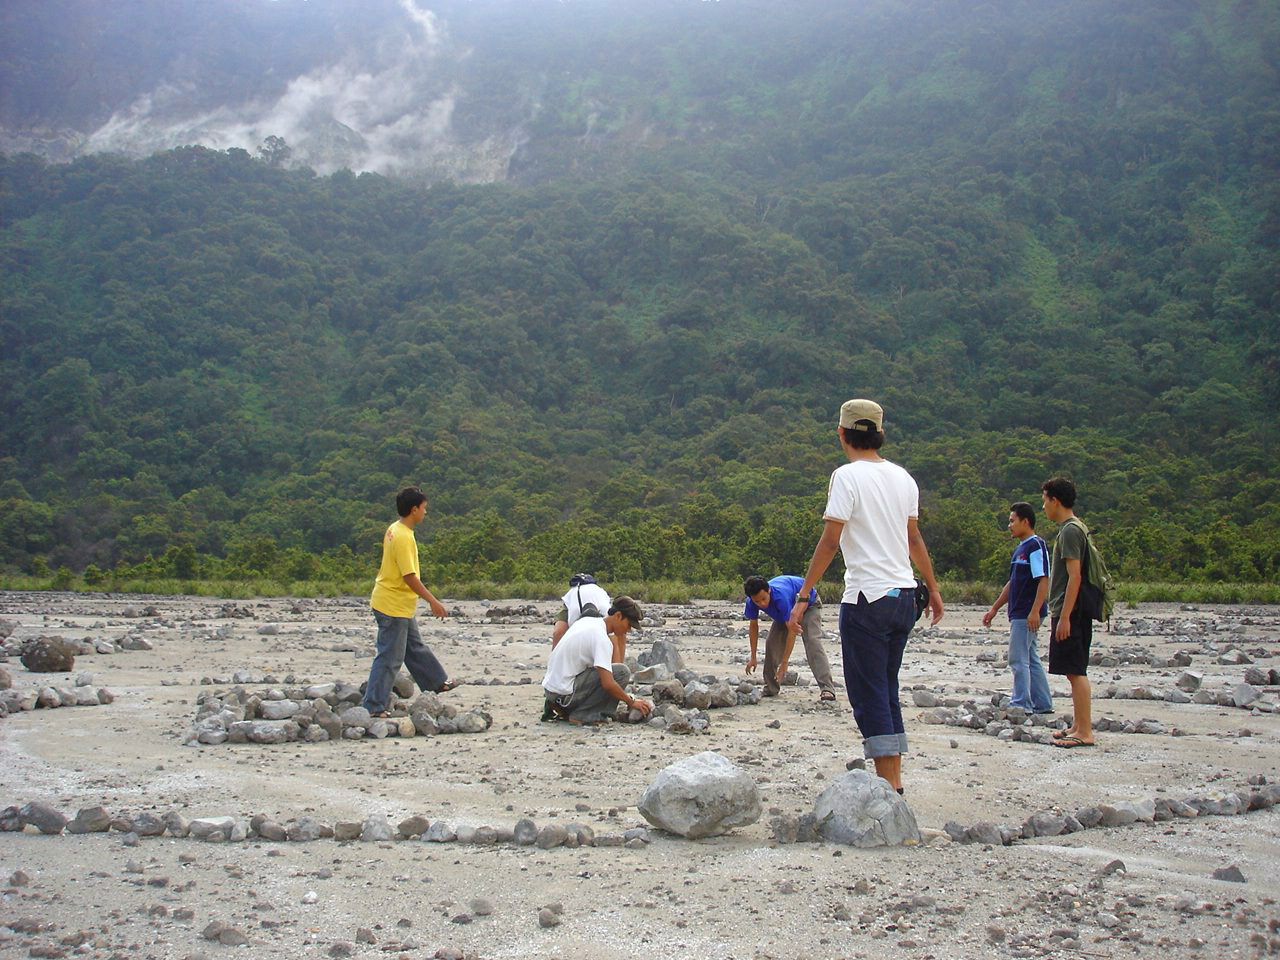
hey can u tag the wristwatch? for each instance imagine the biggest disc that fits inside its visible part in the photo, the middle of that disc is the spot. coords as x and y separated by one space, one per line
802 596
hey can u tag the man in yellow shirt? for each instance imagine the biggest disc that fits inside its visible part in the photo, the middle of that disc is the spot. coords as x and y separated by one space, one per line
395 604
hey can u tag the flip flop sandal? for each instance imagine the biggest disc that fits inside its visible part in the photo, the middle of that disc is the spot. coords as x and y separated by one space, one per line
1070 743
826 695
449 685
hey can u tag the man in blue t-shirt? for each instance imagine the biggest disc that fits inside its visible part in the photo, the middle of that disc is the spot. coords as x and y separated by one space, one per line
1025 593
776 598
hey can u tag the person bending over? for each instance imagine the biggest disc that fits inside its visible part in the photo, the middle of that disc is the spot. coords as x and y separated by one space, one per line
776 598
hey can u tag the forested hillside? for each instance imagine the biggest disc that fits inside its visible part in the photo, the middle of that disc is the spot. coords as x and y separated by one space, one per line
1043 235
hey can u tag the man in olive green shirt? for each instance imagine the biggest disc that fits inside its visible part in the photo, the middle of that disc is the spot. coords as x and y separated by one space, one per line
1071 631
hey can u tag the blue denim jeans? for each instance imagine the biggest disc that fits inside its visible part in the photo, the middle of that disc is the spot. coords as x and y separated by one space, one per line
873 637
399 643
1030 682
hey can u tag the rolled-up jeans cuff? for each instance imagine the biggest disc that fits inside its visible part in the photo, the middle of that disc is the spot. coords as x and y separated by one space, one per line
884 745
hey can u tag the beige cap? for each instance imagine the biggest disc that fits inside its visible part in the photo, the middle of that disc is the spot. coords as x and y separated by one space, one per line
851 411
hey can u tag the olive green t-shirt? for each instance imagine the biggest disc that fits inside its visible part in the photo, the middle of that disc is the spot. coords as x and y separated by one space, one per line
1070 544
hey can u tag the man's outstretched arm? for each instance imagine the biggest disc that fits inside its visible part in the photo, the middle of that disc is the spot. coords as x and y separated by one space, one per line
823 553
920 557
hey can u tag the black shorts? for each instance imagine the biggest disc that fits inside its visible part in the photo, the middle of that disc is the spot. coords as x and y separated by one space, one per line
1070 657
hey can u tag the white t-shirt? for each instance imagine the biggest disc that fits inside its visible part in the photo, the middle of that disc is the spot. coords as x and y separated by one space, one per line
873 499
590 593
585 644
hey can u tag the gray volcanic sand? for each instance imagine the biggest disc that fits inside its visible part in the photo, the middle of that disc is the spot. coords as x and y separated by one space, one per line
737 896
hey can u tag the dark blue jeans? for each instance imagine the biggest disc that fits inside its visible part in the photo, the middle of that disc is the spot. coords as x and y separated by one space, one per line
873 637
399 643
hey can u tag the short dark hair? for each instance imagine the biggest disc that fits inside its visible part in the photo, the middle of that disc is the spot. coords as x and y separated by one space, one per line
1061 489
863 436
628 608
407 499
754 584
1025 511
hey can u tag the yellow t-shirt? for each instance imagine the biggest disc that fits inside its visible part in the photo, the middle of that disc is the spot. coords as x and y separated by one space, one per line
391 595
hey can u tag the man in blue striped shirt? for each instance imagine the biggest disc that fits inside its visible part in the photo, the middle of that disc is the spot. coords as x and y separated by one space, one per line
1025 593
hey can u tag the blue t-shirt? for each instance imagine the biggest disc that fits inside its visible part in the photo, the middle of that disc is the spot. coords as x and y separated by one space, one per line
1030 563
782 598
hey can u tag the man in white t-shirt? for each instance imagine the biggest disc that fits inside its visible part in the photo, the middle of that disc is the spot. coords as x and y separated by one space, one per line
579 685
584 594
871 517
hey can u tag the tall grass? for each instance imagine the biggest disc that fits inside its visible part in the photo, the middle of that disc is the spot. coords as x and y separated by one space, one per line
646 591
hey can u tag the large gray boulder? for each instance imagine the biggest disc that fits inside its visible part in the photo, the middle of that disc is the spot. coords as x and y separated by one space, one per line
701 796
862 810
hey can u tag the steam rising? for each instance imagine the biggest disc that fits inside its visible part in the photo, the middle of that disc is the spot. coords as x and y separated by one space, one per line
390 117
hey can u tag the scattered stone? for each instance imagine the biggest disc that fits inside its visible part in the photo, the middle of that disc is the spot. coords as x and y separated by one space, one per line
440 831
216 828
1044 824
376 830
414 826
548 918
1231 874
344 831
984 832
90 820
1242 695
147 825
925 698
43 817
551 835
1120 814
525 833
49 655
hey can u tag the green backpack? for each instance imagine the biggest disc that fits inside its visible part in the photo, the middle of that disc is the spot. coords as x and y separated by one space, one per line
1097 590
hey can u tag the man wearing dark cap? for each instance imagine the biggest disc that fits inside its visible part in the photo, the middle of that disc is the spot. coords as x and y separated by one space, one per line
579 685
871 517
